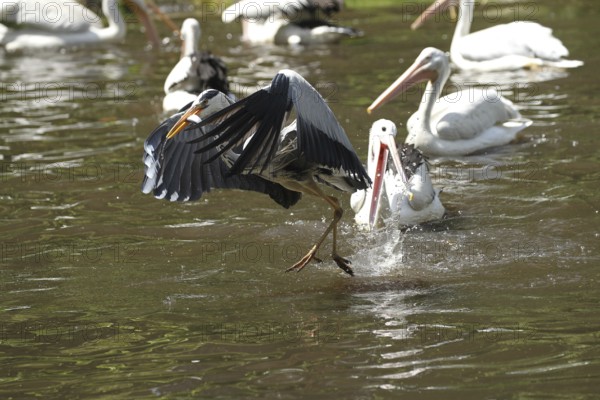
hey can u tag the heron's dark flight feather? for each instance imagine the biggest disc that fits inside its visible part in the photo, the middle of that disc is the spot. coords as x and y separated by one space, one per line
174 171
320 138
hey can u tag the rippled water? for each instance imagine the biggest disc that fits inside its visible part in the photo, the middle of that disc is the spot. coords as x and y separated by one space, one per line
108 293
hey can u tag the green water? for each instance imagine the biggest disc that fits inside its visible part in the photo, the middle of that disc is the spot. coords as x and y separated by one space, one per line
108 293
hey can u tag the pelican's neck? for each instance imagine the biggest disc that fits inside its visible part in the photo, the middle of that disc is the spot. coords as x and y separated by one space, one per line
430 97
116 28
465 18
371 162
190 44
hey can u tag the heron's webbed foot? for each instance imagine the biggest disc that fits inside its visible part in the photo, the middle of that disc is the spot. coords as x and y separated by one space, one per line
343 264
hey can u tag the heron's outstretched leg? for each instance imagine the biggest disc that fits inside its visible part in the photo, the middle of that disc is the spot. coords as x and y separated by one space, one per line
337 215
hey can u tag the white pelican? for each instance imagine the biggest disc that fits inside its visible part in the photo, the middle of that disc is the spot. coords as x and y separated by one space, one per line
54 16
411 197
37 37
246 145
288 21
515 45
460 123
195 72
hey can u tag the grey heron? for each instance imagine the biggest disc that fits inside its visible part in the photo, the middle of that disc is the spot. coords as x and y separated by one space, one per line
247 145
457 124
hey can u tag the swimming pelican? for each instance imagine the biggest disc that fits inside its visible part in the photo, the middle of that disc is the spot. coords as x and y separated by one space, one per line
195 72
516 45
55 16
246 145
460 123
288 21
37 37
411 197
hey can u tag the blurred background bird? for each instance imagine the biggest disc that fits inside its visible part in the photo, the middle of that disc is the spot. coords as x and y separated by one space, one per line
195 72
519 44
34 24
288 21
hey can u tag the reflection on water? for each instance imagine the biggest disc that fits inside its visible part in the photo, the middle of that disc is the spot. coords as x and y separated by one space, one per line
147 298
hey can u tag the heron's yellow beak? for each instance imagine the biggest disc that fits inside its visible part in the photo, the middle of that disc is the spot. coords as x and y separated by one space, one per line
183 122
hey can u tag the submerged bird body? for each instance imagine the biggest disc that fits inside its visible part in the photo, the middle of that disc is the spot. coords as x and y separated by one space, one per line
40 36
195 72
460 123
411 198
249 138
516 45
288 21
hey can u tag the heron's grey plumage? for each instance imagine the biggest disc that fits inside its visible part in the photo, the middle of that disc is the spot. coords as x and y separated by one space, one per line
174 171
259 119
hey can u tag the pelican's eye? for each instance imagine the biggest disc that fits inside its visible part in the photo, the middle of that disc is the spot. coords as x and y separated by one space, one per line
384 129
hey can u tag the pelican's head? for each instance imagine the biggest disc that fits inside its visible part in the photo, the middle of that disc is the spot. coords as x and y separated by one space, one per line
206 104
382 145
190 36
430 65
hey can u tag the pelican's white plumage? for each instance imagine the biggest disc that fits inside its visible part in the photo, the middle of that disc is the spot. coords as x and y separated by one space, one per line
460 123
288 21
515 45
195 72
41 37
54 16
412 200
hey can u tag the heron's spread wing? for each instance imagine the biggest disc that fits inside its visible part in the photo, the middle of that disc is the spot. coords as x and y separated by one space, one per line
259 118
173 170
320 136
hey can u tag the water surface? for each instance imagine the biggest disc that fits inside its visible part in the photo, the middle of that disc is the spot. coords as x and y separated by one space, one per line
108 293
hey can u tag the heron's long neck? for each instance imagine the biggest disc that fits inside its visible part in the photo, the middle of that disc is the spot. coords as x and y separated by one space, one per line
116 26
